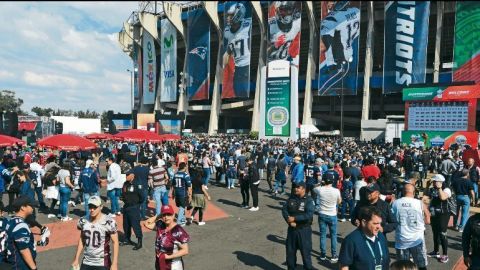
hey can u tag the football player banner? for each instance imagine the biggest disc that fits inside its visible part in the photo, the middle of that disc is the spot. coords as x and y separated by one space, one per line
339 38
198 58
236 58
139 74
466 54
136 93
284 29
168 58
149 68
406 38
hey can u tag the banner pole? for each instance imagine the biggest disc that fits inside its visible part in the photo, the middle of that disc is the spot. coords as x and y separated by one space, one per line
368 64
308 98
438 40
257 10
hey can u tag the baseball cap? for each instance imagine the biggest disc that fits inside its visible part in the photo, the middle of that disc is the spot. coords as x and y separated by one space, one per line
392 162
129 172
373 187
167 209
95 200
88 163
23 200
438 178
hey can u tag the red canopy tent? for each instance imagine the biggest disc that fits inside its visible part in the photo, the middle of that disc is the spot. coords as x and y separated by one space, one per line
67 142
99 136
171 137
9 141
138 135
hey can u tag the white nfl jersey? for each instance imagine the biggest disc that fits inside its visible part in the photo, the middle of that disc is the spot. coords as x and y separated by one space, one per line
96 240
239 43
347 22
411 225
281 53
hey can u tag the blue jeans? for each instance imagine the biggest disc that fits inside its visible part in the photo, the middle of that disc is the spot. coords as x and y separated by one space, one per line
86 196
463 201
114 195
346 202
38 190
165 197
231 182
475 190
281 184
158 195
206 177
65 193
181 215
331 222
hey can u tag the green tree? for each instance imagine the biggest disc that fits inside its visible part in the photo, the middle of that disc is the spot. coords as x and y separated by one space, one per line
86 114
9 102
42 111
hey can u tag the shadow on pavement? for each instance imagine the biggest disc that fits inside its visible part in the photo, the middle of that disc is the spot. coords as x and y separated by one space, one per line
255 260
228 202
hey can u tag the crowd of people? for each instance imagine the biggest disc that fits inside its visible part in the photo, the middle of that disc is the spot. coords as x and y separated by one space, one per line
379 188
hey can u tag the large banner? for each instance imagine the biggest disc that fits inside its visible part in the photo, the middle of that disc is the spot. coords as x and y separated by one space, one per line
284 29
136 69
339 38
168 57
149 68
445 139
406 38
466 55
170 126
236 59
277 100
198 59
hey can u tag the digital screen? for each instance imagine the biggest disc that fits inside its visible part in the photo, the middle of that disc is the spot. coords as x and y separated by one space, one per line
440 116
122 124
168 126
146 121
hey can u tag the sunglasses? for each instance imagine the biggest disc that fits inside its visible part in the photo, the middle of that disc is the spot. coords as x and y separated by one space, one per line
92 207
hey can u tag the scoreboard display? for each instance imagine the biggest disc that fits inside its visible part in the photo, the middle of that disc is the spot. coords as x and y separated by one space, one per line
440 116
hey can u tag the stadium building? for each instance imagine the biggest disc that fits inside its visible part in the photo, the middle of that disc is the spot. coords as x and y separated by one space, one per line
326 111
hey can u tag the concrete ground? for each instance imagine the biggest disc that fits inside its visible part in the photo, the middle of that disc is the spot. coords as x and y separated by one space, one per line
233 238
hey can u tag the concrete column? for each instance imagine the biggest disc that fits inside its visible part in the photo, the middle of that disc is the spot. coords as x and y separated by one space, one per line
307 103
368 64
438 39
212 10
173 12
257 10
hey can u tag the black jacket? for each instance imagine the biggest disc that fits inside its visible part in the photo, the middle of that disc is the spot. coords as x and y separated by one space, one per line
389 223
252 174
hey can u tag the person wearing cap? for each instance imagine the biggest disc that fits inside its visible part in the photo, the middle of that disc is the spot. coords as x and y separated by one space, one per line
298 174
298 213
447 168
171 241
94 240
21 252
133 196
141 171
389 223
438 195
89 182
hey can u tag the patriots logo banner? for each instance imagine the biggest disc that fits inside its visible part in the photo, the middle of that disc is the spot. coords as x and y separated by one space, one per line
200 51
198 58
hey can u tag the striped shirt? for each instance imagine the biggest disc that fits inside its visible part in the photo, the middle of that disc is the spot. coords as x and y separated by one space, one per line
158 176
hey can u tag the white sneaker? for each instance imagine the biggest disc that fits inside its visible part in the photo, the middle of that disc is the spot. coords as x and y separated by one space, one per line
58 203
72 203
59 216
201 223
66 218
342 220
254 209
51 216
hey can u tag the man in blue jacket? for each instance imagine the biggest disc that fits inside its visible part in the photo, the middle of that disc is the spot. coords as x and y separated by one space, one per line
298 174
89 184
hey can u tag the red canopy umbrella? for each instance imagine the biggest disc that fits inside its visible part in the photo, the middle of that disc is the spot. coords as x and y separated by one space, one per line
171 137
67 142
138 135
9 141
99 136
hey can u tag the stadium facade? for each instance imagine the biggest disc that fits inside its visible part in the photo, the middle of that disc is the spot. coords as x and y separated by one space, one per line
325 111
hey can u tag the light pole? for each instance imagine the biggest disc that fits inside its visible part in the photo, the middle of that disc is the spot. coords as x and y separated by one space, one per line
131 89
